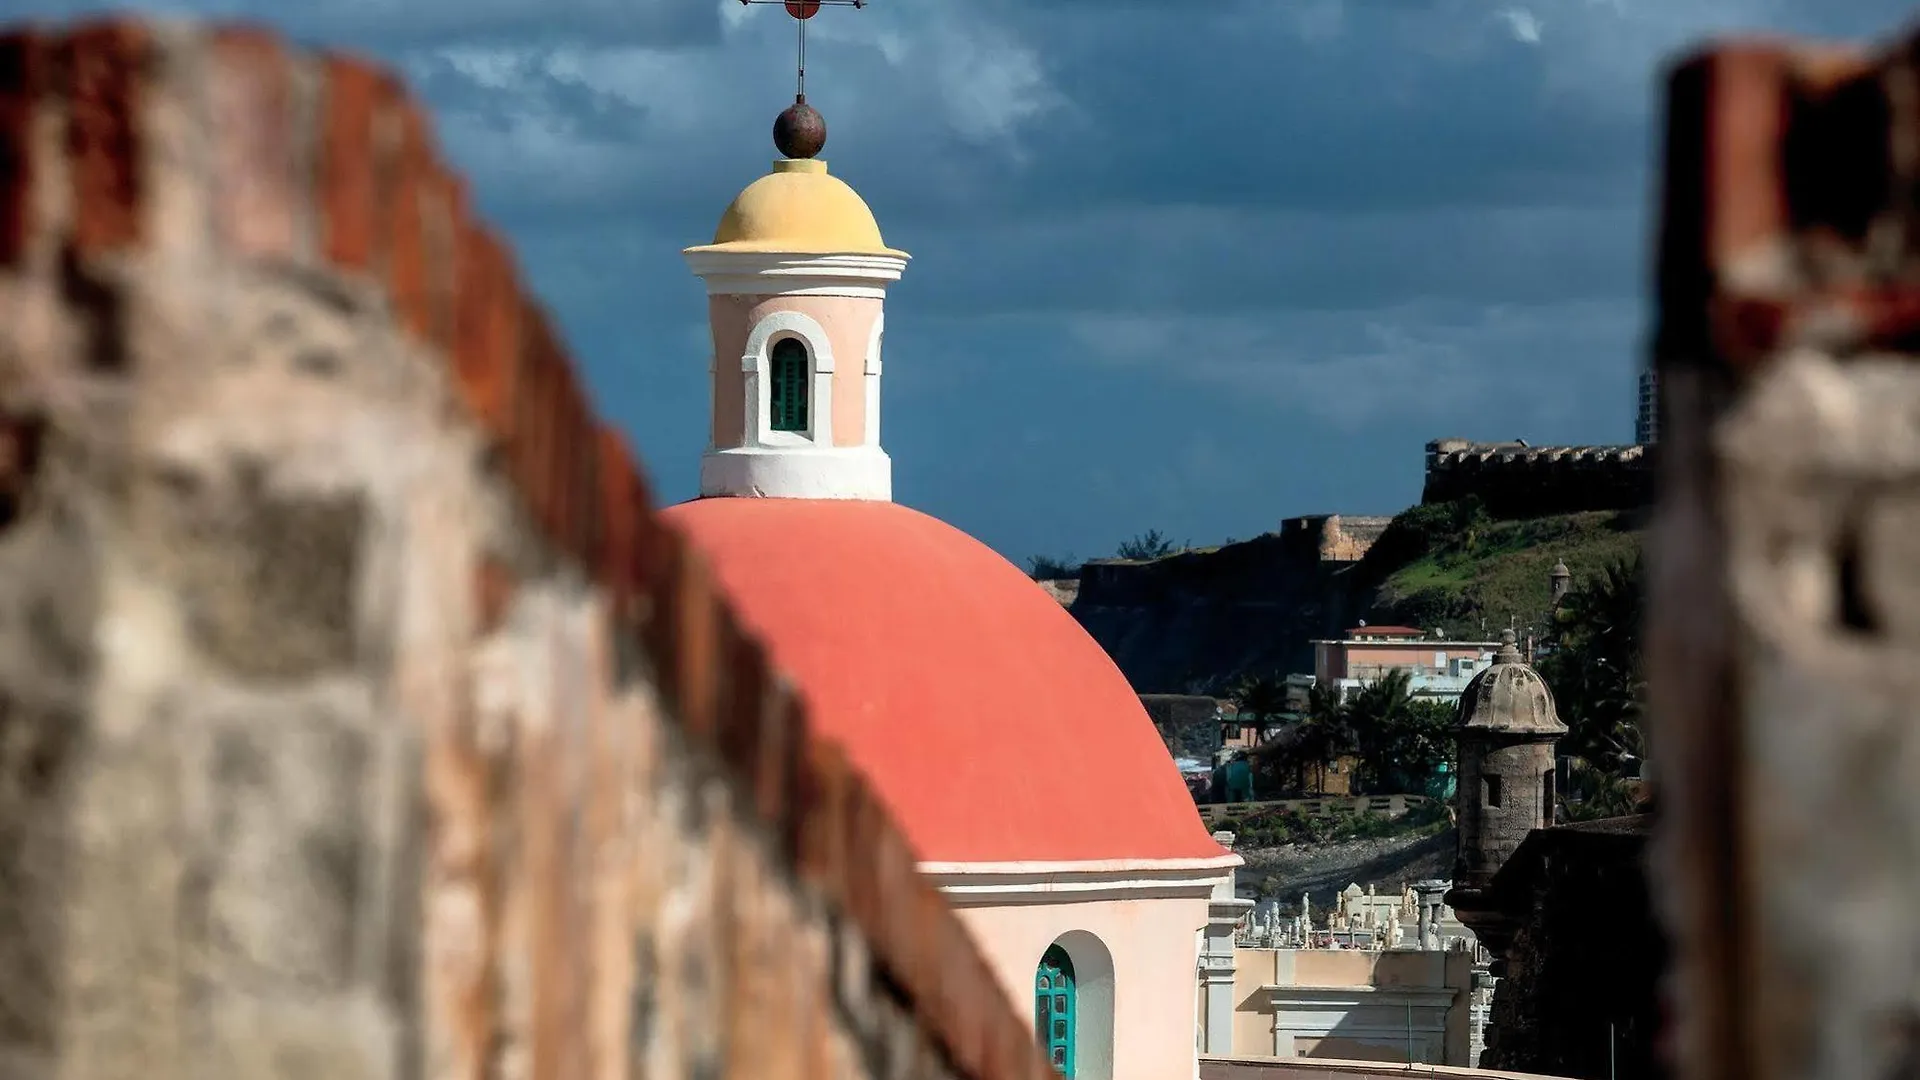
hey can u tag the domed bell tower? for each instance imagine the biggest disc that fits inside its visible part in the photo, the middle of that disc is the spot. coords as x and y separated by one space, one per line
796 278
1507 728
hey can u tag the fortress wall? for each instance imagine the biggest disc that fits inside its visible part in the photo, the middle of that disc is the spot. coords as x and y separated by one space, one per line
1520 481
358 716
1347 539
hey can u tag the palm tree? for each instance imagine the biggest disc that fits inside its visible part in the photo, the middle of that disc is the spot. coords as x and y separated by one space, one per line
1602 794
1373 714
1595 675
1261 699
1401 739
1298 755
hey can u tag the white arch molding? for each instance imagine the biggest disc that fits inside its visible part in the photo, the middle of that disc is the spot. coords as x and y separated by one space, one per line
1093 1003
874 339
792 464
757 385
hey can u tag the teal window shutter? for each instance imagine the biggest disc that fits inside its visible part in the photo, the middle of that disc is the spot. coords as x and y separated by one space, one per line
1054 1008
791 375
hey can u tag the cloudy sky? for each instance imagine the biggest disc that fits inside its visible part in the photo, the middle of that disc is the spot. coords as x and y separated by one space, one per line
1194 265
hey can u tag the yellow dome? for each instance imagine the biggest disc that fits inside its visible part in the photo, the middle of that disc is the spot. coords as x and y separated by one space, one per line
799 208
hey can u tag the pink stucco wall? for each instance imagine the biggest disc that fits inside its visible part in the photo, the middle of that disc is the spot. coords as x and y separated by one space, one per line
848 322
1155 984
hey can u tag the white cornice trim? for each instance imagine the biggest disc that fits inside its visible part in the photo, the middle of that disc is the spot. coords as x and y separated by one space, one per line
1227 913
1427 996
798 472
759 273
975 884
1224 860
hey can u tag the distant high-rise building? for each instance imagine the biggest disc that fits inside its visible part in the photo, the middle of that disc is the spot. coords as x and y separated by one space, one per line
1646 421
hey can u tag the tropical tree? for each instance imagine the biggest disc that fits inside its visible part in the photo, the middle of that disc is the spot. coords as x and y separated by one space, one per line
1599 688
1327 724
1048 567
1262 699
1146 546
1294 758
1597 793
1402 740
1423 745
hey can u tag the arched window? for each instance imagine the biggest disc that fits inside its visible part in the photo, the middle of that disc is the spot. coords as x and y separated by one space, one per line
1054 997
791 375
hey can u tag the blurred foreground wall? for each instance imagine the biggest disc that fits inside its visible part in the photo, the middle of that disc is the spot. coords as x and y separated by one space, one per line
357 717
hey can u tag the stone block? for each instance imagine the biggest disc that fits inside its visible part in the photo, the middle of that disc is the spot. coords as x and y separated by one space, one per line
1780 653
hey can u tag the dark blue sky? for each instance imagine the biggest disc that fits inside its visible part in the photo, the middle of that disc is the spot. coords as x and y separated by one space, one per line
1177 265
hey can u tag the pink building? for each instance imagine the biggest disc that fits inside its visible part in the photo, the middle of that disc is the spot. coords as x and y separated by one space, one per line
1437 667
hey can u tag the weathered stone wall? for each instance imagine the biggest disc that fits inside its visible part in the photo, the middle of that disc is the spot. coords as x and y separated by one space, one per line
1489 834
1784 644
1337 537
1515 481
357 716
1063 590
1579 993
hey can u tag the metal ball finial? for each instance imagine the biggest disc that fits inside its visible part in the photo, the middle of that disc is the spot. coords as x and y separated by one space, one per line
800 131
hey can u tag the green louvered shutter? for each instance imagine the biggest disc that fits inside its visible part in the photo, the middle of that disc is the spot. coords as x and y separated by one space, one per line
789 398
1053 1008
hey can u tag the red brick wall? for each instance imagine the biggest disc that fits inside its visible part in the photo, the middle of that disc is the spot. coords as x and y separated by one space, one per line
361 716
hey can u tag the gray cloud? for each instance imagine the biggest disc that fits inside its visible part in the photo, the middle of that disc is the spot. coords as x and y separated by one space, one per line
1189 266
389 25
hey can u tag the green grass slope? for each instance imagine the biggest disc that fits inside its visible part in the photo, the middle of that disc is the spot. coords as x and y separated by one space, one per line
1450 566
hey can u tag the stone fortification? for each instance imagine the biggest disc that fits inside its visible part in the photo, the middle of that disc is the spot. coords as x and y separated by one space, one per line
1517 480
1338 538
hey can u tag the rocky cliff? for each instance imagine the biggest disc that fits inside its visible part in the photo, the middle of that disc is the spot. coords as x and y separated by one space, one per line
1191 623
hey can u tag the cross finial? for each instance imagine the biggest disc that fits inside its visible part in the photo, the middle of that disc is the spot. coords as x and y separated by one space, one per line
800 131
803 10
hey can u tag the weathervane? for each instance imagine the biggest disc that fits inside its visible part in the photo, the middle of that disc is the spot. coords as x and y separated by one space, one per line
800 131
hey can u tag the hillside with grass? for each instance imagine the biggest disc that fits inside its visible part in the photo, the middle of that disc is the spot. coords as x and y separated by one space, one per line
1198 620
1451 566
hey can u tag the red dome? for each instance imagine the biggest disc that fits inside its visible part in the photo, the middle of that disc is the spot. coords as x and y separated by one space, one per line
989 721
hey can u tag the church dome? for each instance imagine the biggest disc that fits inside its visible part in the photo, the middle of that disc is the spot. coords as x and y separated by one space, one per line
801 209
992 725
1509 697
